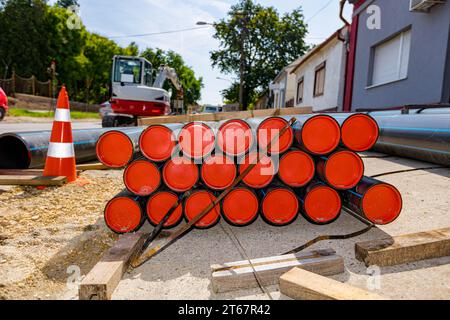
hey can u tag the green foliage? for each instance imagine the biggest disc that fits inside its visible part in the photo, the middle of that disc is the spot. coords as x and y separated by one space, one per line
191 84
267 41
33 34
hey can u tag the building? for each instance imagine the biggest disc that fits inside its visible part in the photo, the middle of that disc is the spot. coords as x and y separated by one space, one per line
319 76
283 87
399 54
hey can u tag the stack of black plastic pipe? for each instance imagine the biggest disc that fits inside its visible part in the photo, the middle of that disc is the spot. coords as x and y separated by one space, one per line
312 170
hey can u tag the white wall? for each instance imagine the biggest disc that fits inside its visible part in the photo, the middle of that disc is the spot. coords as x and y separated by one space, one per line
334 55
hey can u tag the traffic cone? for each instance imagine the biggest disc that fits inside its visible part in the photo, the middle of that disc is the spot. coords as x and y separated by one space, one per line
61 154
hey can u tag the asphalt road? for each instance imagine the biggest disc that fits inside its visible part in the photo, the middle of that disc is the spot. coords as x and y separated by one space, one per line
42 126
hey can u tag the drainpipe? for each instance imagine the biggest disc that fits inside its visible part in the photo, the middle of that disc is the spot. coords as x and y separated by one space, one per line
350 69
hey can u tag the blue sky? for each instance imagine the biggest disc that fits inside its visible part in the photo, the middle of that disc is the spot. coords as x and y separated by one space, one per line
119 18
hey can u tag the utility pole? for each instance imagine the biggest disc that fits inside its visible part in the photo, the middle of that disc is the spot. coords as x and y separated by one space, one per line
243 20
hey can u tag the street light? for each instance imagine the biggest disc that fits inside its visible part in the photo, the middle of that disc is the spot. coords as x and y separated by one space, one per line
203 23
219 78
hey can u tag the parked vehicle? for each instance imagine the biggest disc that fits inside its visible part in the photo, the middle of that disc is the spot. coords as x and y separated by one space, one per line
3 104
212 109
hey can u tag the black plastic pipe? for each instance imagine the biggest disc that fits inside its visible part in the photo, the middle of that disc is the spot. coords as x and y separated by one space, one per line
424 137
28 150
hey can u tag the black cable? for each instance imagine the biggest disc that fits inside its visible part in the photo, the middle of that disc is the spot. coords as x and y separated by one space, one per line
404 171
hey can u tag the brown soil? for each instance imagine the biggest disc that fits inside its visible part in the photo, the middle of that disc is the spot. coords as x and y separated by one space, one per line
47 234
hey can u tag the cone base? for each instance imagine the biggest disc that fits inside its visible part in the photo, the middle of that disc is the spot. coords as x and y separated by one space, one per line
56 167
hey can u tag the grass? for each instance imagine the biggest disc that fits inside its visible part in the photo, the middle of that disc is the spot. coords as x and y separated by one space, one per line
50 114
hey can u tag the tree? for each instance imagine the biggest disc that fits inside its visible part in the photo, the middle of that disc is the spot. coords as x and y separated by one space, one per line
261 42
191 84
33 34
24 37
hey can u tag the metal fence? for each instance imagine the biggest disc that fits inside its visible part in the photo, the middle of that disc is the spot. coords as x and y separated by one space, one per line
32 86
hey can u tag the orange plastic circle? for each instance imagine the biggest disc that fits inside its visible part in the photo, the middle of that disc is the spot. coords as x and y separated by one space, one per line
218 172
280 206
360 132
261 175
240 206
196 140
114 149
235 137
198 202
159 205
323 204
157 143
267 131
180 174
142 177
297 169
382 204
123 215
344 170
321 134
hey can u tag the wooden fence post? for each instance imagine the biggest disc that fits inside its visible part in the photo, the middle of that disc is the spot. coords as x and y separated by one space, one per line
33 85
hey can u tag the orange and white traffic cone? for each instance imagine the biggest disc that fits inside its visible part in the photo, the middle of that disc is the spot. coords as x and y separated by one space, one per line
61 154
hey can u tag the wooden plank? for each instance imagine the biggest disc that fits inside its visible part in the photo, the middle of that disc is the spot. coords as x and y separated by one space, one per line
300 284
21 172
405 248
92 166
103 279
224 116
239 275
20 180
24 172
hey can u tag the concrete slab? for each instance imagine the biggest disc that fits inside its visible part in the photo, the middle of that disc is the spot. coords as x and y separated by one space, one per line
183 271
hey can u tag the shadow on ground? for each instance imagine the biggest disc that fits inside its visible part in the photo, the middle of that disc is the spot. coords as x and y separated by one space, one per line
193 255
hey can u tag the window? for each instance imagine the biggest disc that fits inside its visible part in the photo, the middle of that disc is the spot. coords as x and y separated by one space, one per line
390 59
319 80
300 85
148 74
127 71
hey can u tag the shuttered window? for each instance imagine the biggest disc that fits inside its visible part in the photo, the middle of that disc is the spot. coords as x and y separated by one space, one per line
300 91
319 80
391 59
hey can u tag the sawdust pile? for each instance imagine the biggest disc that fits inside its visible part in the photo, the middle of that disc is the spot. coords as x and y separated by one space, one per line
46 236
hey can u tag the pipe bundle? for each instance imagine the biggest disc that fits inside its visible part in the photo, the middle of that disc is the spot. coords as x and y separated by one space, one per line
311 170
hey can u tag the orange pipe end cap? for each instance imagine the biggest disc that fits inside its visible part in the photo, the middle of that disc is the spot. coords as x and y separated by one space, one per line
297 169
198 202
196 140
240 206
323 204
114 149
321 134
280 207
235 137
142 178
159 205
157 143
344 170
123 215
360 132
218 172
180 174
268 130
382 204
